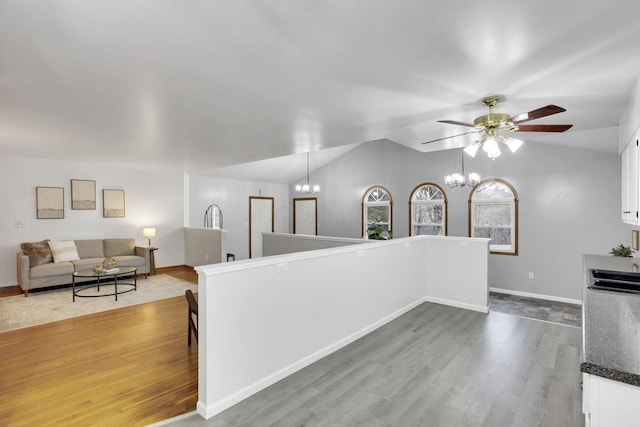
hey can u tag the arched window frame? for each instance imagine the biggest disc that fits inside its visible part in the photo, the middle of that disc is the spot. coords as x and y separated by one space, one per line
443 202
511 201
365 204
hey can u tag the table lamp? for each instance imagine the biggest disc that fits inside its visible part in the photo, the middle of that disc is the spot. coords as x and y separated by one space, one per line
149 232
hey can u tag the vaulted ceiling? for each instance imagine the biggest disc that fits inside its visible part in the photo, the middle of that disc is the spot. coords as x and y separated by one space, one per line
203 86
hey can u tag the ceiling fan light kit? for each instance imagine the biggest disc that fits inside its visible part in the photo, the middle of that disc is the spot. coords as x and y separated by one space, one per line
497 126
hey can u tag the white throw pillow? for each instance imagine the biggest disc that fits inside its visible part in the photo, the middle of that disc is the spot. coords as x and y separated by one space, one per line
64 250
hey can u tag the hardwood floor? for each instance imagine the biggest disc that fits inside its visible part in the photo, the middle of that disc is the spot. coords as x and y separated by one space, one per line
126 367
434 366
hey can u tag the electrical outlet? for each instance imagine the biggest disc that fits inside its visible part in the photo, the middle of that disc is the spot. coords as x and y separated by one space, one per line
206 257
19 224
282 267
531 275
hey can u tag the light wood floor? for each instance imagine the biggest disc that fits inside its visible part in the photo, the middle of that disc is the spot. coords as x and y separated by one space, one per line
126 367
434 366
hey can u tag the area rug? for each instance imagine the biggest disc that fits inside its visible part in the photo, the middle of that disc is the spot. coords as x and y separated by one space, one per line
18 312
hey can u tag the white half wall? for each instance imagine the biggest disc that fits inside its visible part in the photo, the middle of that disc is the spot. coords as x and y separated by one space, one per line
266 318
285 243
204 246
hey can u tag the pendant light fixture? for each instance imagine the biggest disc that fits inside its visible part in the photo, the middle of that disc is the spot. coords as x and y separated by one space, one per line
458 180
307 189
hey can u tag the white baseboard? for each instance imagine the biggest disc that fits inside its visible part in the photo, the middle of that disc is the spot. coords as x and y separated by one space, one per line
450 303
538 296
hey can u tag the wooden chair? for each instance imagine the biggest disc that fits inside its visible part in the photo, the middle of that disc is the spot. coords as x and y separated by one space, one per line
193 314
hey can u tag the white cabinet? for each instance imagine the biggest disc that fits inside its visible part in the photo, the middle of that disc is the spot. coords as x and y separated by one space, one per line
608 403
630 178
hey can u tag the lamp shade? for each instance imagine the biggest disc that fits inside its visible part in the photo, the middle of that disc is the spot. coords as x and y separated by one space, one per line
149 232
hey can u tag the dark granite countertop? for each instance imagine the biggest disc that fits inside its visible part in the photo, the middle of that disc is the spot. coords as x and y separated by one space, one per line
611 325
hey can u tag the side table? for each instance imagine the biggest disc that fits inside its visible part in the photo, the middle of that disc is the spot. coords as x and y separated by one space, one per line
152 261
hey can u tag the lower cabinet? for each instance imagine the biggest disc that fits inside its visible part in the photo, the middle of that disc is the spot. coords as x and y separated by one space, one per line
608 403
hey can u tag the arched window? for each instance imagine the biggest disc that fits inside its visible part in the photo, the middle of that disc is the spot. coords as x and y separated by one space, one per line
428 210
493 213
376 213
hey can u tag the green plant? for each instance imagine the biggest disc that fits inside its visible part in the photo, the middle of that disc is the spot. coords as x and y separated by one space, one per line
622 250
377 233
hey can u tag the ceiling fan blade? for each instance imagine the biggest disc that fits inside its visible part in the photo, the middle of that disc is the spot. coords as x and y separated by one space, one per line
452 136
454 122
543 128
536 114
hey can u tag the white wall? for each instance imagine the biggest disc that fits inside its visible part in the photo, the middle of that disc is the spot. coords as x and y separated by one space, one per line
274 315
152 199
233 198
569 205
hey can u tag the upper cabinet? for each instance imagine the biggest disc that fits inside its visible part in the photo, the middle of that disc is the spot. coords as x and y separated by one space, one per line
630 178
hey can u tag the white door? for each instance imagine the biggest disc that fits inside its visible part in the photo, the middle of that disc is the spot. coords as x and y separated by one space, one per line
260 221
305 211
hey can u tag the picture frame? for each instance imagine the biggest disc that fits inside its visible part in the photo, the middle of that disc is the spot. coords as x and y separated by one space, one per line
113 204
49 202
83 194
635 240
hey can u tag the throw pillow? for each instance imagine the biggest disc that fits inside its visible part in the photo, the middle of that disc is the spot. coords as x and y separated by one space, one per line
38 252
64 250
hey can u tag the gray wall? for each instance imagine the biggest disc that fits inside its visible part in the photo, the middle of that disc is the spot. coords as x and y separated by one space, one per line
569 204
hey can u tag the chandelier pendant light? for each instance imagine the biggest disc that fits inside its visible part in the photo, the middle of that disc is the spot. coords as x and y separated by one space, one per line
458 180
307 189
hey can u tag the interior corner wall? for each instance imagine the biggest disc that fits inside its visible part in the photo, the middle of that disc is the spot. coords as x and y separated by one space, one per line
232 196
569 204
152 199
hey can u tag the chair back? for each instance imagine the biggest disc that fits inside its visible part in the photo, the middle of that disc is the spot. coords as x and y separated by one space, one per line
193 314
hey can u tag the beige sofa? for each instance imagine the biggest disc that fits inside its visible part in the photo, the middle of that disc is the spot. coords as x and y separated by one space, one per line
43 272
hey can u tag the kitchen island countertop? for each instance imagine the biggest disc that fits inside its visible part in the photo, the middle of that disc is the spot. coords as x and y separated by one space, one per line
611 325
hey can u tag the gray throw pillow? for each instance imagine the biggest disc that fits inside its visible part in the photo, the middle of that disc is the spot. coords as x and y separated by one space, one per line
38 252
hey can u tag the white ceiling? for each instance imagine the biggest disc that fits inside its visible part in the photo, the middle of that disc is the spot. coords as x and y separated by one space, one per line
199 85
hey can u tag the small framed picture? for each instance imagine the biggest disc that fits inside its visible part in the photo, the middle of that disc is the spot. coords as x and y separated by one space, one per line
635 244
113 203
49 202
83 194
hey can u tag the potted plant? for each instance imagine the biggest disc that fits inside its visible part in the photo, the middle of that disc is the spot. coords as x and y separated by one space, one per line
375 232
622 251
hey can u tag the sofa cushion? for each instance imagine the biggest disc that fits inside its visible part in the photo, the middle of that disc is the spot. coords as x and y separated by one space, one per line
130 261
64 250
118 247
86 263
90 248
38 252
52 269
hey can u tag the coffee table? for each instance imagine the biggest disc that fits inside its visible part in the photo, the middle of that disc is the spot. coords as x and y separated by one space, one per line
106 279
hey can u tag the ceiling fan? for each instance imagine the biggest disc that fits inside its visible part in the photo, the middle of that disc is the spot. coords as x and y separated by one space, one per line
497 127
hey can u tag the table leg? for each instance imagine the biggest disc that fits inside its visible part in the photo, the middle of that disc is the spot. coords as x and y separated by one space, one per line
73 287
115 282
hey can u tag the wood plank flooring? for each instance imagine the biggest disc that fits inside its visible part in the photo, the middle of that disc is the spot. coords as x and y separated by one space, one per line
125 367
434 366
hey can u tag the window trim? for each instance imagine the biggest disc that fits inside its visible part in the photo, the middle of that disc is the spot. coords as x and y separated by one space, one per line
446 207
516 224
363 203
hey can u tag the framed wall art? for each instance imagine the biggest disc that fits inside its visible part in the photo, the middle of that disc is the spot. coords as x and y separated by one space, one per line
49 202
113 203
83 194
